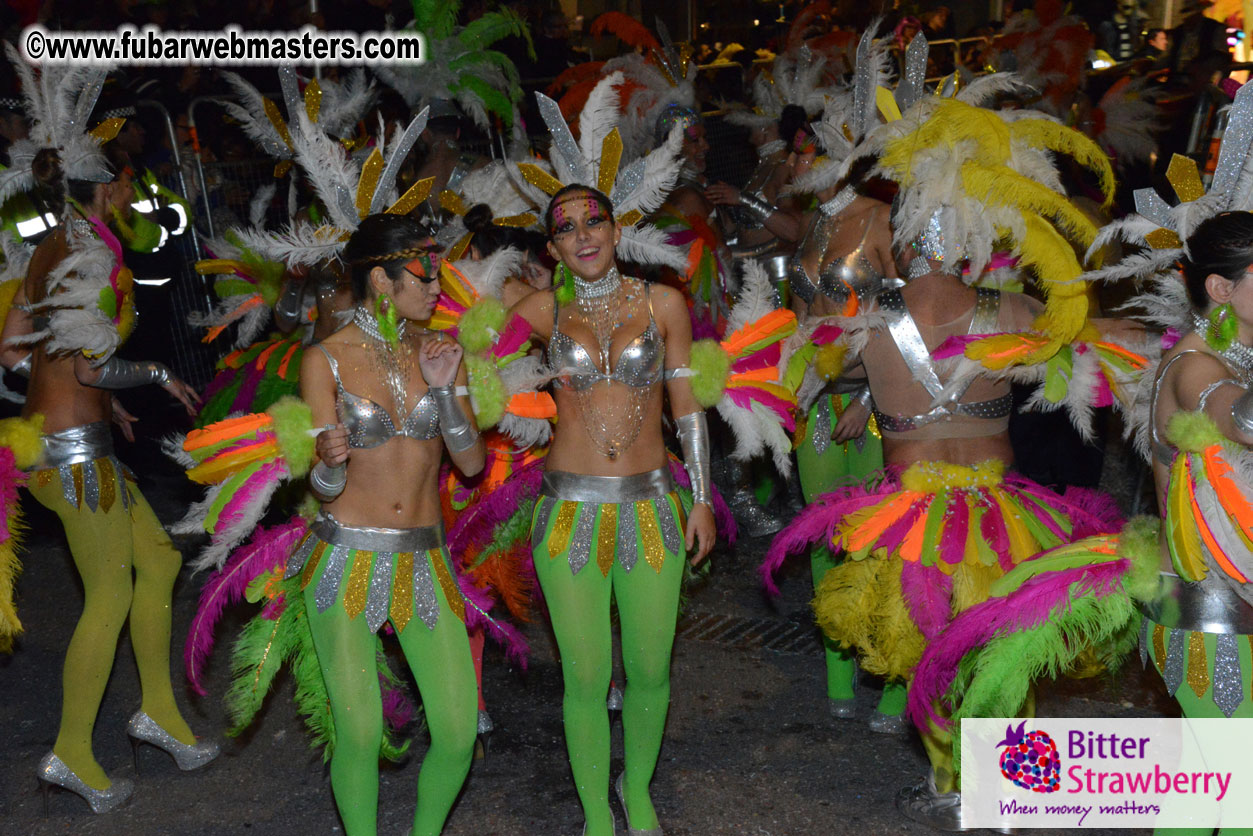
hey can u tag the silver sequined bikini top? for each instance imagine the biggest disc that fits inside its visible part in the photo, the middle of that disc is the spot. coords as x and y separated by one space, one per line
851 274
370 425
639 365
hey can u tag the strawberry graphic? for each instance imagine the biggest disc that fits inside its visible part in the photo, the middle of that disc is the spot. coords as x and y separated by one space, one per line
1030 759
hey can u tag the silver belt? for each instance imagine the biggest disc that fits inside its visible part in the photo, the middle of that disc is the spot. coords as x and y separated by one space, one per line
576 487
995 408
1205 608
75 445
366 539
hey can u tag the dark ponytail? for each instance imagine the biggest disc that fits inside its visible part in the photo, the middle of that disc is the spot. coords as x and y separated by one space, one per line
793 119
1221 245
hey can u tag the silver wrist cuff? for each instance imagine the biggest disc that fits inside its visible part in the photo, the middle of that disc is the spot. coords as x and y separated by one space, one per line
117 373
459 434
22 367
1242 413
757 205
289 307
328 481
862 396
694 439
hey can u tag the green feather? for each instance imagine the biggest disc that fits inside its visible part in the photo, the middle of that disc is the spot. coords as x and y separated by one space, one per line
493 100
490 28
436 18
258 655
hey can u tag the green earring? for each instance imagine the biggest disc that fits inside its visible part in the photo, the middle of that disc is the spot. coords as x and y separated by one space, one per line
387 320
565 284
1222 328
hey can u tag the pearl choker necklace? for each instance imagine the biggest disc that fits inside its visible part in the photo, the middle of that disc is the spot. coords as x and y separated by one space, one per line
366 322
602 287
770 148
842 200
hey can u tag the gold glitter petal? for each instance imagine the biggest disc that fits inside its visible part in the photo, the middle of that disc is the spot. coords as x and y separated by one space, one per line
276 119
650 534
313 100
402 591
281 168
610 157
539 178
451 593
358 582
630 218
108 129
452 201
1198 664
1163 239
371 170
108 484
457 250
607 537
563 526
522 221
1184 178
315 557
1159 646
414 195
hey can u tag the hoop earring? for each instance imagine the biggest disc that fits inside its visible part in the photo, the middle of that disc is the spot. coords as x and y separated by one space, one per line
1222 328
387 319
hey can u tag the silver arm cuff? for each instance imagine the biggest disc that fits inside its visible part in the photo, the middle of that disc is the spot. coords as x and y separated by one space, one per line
862 396
694 438
757 205
290 306
117 373
22 367
459 434
328 481
1242 413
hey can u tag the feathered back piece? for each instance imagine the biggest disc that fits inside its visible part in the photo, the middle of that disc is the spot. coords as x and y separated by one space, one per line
986 181
458 65
794 79
596 159
490 185
58 101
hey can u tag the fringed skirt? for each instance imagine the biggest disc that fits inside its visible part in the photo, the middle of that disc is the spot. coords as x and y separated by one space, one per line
925 543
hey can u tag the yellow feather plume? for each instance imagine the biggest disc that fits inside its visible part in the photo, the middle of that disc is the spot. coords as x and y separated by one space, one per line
829 361
1042 132
21 435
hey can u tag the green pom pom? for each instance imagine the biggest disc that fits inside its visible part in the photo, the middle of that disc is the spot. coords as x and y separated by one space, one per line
487 390
292 422
1192 432
1138 543
565 284
711 365
480 325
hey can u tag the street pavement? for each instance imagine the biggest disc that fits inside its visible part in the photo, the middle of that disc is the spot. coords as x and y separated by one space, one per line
750 749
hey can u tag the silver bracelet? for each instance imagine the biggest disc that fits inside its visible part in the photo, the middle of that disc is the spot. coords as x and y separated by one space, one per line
863 397
1242 413
289 307
757 205
694 439
117 373
328 481
459 434
22 367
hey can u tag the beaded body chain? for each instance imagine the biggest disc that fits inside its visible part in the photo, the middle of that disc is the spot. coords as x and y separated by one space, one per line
395 366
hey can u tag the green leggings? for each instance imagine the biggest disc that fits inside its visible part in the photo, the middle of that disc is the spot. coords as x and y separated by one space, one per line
128 567
840 465
648 605
440 661
1199 705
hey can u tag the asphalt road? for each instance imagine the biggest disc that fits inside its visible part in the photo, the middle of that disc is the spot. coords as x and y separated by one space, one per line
749 748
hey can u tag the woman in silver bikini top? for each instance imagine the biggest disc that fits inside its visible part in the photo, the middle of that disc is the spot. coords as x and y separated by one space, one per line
640 364
851 273
370 425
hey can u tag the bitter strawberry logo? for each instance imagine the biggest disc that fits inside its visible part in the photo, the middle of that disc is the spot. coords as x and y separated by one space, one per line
1030 759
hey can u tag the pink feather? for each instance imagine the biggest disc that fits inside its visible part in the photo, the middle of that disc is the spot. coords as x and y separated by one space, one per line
515 335
956 527
398 709
992 527
955 346
1039 599
811 526
928 593
478 605
723 518
11 478
268 549
256 488
473 528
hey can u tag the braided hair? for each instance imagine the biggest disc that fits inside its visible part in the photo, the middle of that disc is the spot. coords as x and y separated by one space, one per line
1221 245
382 240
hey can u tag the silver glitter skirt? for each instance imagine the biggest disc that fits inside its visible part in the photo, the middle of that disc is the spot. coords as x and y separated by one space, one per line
82 459
603 518
383 572
1179 626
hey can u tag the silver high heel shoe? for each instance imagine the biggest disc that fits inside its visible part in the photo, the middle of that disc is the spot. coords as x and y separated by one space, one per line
632 831
53 772
187 756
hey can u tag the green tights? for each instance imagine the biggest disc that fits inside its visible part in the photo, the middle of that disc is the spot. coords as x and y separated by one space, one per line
840 465
648 605
441 664
128 567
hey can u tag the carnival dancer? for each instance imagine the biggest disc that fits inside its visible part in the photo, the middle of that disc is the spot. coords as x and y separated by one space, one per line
70 314
946 517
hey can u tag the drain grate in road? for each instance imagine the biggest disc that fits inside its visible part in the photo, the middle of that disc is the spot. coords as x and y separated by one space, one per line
773 634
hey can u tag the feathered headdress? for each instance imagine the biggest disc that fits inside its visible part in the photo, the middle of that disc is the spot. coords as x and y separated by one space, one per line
794 79
58 102
596 159
491 185
458 65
